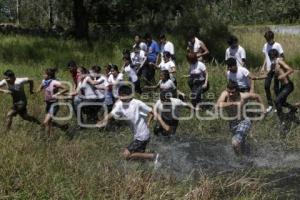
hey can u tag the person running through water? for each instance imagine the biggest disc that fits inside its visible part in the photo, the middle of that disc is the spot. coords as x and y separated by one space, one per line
135 112
166 111
234 101
15 87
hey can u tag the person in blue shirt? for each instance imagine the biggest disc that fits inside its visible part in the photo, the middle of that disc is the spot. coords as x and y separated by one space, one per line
153 51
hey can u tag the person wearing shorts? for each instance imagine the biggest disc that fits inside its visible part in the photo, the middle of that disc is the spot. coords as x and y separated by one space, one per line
51 88
136 113
233 101
15 87
166 111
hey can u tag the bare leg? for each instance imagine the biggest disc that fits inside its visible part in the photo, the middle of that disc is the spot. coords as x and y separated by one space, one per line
138 156
9 118
48 124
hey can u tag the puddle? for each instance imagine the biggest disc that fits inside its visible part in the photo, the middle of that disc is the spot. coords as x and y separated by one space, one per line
185 156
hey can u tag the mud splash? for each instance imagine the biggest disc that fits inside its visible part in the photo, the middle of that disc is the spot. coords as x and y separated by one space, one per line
186 156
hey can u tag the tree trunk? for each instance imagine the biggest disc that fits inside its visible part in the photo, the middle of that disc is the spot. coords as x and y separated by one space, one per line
18 15
51 21
81 26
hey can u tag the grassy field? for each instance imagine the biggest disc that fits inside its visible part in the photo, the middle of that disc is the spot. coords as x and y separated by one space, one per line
90 167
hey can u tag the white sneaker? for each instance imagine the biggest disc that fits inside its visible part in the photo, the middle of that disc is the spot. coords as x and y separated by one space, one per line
269 109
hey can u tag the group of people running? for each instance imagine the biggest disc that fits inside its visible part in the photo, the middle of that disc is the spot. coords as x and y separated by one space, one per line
109 88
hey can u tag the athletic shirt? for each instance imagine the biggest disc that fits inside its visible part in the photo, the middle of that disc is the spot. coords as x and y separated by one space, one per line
238 54
50 88
198 69
166 85
17 89
135 112
130 70
241 77
267 47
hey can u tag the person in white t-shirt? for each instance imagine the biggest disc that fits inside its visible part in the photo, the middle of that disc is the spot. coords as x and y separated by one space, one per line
136 113
241 75
15 87
198 78
168 64
166 111
266 67
236 51
130 70
51 88
138 41
166 46
198 47
114 80
165 83
138 58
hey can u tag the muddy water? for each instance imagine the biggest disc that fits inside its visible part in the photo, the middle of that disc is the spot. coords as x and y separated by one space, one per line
185 156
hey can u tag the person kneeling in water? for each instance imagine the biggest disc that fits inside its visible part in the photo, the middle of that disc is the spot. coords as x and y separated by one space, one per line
234 101
135 112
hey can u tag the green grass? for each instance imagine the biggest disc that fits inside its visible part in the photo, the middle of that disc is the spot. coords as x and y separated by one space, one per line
90 166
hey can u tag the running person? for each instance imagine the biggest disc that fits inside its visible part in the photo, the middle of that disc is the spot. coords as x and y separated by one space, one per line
15 87
148 69
130 69
241 75
236 51
51 93
167 114
168 64
165 83
281 72
198 78
234 101
135 112
266 67
198 47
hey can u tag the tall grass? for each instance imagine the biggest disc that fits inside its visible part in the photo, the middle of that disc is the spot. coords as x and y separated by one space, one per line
252 39
89 166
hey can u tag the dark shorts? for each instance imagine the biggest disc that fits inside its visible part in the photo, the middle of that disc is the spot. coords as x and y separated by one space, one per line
20 108
51 109
137 146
